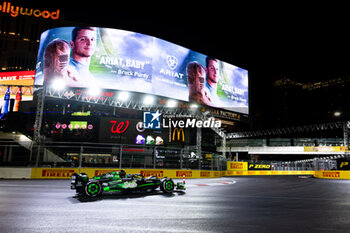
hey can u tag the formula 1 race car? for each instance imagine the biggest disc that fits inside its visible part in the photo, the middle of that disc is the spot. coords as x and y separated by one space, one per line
120 183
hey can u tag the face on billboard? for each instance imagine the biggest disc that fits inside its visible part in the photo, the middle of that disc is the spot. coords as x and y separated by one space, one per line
122 60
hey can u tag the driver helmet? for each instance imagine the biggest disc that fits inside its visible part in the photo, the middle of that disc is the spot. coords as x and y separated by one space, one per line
122 174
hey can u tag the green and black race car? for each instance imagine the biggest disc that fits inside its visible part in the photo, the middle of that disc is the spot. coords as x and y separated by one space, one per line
119 183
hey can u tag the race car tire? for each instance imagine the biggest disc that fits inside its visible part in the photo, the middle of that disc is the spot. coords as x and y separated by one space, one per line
167 185
92 189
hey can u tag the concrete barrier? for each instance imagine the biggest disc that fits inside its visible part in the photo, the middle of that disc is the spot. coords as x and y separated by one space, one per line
15 173
66 173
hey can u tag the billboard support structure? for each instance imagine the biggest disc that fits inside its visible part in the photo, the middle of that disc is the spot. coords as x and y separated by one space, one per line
73 94
37 124
199 145
346 126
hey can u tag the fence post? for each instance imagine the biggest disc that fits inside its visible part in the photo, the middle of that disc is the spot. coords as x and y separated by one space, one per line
120 156
81 156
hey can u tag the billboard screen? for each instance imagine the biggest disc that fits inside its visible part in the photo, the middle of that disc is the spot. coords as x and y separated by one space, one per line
14 88
123 60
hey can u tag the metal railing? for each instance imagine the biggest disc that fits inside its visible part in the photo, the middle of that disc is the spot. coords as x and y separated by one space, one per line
70 154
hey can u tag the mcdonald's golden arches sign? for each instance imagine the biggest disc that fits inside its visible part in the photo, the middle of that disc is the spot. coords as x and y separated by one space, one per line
178 135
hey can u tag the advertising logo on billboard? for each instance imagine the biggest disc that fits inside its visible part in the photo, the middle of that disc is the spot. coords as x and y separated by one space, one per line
140 139
178 135
129 61
17 86
172 62
151 120
258 166
139 127
118 128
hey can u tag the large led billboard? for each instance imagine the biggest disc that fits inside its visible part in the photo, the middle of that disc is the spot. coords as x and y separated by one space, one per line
123 60
15 87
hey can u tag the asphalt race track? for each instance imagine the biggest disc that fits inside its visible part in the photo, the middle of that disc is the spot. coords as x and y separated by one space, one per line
234 204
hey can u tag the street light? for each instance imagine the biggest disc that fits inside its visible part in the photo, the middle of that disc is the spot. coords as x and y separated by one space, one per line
94 91
171 104
194 106
148 100
124 95
58 84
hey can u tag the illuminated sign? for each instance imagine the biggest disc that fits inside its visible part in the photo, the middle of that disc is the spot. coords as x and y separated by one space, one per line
191 123
129 61
150 140
139 127
151 120
24 78
14 11
81 113
133 149
118 128
344 164
19 85
177 133
140 139
74 125
159 140
258 166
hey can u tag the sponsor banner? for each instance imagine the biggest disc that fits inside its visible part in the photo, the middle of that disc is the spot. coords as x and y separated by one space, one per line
17 85
259 173
343 164
147 173
99 172
20 78
188 174
226 114
333 174
205 174
53 173
259 166
324 148
106 58
234 166
326 174
66 173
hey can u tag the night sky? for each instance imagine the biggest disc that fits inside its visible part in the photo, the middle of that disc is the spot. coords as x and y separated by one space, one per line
303 42
306 43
